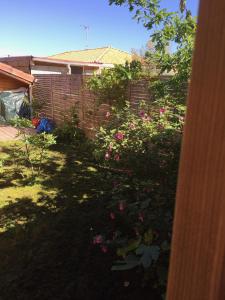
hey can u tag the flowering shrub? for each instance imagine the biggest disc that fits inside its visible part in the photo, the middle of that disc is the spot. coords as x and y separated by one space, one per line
142 142
139 230
145 144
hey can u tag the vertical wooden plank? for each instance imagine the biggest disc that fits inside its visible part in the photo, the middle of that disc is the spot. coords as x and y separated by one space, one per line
197 266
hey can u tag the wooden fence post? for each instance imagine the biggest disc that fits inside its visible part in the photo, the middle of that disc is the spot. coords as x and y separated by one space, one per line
197 266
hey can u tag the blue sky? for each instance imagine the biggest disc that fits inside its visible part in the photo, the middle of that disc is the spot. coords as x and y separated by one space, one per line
45 27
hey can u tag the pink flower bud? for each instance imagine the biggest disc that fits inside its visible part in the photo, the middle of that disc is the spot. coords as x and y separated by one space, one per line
126 284
136 232
104 249
107 156
132 126
142 113
117 157
141 217
98 239
107 114
121 206
110 147
181 119
112 216
162 111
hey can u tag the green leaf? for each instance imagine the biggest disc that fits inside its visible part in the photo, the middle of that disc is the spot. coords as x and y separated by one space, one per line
148 254
130 262
148 236
155 251
132 245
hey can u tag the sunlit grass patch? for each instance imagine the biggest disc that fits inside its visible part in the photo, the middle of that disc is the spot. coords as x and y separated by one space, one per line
34 192
16 181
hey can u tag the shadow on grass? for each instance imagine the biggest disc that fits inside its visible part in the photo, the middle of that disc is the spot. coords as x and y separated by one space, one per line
46 250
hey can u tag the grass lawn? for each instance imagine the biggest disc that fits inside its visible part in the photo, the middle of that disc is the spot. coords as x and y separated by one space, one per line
15 184
47 229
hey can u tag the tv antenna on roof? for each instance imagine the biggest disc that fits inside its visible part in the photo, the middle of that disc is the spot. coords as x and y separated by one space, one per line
86 29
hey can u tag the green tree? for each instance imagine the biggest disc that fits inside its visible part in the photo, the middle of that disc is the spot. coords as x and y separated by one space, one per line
174 29
111 85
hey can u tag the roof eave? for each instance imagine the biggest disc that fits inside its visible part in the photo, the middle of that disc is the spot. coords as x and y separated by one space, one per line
66 62
28 82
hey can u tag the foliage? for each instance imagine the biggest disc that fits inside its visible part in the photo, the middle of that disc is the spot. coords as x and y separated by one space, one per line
34 146
69 132
169 29
145 145
36 106
21 123
1 165
139 231
111 85
145 141
49 229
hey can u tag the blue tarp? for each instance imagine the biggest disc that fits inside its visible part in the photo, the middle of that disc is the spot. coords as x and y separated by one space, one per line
10 103
45 125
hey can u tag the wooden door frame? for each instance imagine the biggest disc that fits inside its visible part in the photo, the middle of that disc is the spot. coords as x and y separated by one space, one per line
197 265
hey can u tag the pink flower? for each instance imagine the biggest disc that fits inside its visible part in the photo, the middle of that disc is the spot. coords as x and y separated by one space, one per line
126 284
136 231
112 216
141 217
119 136
117 157
121 206
107 115
104 249
142 113
98 239
181 119
110 147
132 126
162 111
146 118
107 156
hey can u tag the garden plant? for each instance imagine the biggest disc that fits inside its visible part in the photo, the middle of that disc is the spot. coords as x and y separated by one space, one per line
99 223
145 144
32 151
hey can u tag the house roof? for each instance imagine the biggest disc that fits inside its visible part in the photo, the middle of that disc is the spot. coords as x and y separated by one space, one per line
65 62
16 74
104 55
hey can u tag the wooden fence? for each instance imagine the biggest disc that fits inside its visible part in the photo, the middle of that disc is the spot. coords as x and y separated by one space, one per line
60 93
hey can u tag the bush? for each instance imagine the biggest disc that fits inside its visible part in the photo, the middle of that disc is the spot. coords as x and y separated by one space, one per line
146 146
33 150
146 142
111 86
69 132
